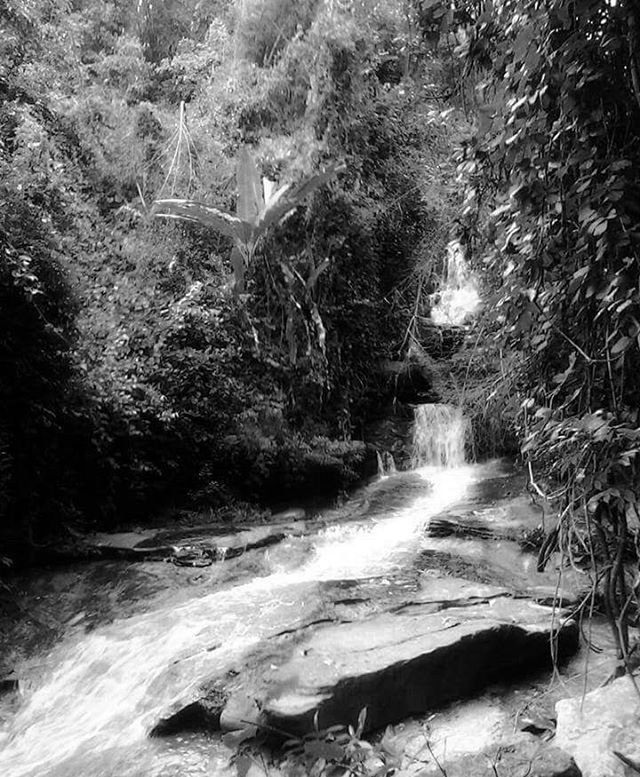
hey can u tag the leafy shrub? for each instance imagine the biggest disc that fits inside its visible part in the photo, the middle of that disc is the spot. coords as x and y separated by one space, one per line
558 170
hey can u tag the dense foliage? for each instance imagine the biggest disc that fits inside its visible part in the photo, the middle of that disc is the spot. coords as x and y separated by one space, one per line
552 209
141 376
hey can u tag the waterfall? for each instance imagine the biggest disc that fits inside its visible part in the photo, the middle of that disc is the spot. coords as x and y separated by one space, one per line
439 435
386 464
458 297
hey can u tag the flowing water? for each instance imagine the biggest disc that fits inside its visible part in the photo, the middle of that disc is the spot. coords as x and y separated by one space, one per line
458 298
91 710
439 436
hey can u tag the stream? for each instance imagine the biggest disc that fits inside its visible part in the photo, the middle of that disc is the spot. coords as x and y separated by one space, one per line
90 709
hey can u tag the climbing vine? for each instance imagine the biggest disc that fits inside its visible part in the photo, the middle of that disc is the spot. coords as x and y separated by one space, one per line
553 200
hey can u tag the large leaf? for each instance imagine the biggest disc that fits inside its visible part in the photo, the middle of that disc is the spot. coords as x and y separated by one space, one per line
272 194
286 200
250 201
208 216
237 262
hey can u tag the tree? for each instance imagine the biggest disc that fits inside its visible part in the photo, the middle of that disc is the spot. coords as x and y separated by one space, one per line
260 207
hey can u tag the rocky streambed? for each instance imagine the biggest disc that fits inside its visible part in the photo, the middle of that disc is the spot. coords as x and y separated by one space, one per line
415 601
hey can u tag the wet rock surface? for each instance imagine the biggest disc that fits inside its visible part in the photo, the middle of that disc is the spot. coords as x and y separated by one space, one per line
464 615
408 662
192 548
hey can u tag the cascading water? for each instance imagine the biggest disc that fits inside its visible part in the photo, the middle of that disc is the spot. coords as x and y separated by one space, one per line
458 298
386 464
91 711
439 436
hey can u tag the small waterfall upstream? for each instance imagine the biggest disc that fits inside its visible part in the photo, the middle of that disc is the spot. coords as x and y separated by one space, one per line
101 693
386 464
439 436
458 298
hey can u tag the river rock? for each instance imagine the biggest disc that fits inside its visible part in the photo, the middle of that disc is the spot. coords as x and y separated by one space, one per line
9 683
522 758
290 514
456 590
405 663
190 550
605 723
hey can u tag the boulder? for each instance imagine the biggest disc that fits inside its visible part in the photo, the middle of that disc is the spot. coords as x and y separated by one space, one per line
602 730
197 550
405 663
523 758
200 715
290 514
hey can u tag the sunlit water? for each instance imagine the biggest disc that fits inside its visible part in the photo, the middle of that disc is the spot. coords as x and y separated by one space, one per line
91 714
439 436
458 298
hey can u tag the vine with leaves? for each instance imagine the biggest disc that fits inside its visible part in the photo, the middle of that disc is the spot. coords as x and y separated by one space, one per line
557 158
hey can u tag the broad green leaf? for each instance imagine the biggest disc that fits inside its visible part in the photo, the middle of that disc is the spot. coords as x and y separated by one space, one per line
290 198
621 345
198 212
268 188
316 273
362 718
250 201
599 227
238 264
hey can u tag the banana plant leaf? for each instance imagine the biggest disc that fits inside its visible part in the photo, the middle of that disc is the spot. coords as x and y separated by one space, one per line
250 200
288 198
257 209
198 212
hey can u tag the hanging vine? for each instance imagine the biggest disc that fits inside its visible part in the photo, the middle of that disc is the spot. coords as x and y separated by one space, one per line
558 156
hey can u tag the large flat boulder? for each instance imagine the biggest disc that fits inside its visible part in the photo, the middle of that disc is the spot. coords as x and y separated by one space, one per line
405 663
190 548
602 729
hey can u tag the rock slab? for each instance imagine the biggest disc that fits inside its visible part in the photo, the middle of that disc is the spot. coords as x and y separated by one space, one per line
405 663
524 759
606 723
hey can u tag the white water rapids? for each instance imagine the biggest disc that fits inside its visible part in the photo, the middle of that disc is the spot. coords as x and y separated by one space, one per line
93 708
